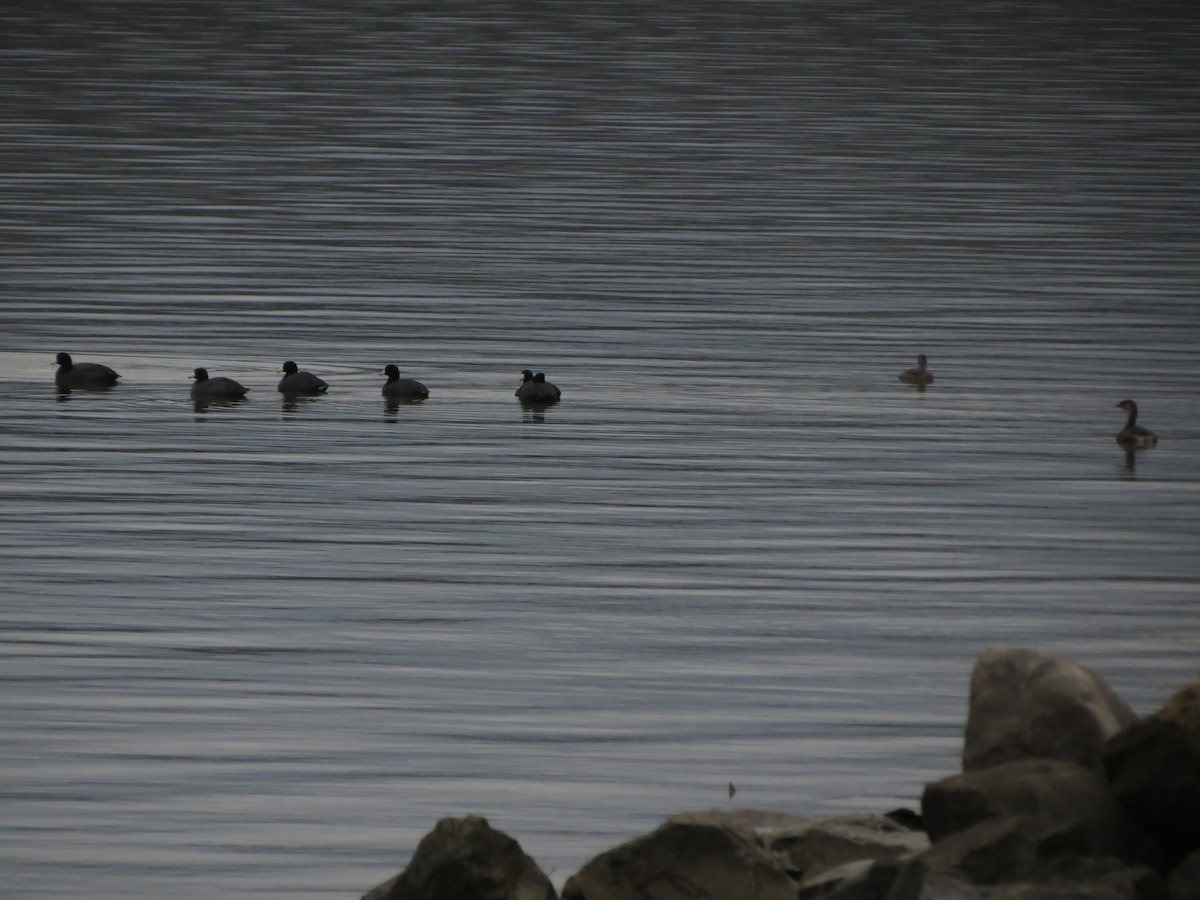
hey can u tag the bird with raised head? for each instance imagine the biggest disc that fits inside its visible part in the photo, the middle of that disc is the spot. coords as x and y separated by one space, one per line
1134 435
218 388
71 374
536 389
920 374
397 388
295 381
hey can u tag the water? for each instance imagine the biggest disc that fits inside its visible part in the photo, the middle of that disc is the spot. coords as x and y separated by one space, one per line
259 650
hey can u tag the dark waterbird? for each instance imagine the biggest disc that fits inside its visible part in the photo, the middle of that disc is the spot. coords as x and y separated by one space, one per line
295 381
920 374
219 388
397 388
536 389
1133 435
71 374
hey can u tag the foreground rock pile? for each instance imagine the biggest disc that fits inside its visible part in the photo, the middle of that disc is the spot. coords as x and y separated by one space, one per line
1065 794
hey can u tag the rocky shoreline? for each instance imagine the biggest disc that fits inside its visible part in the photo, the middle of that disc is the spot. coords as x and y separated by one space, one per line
1065 794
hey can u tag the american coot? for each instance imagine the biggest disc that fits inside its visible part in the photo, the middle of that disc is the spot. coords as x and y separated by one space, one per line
82 375
1134 435
296 382
920 375
397 388
219 388
535 388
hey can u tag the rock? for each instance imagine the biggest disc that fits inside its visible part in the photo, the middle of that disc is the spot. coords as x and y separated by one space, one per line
751 821
816 847
689 857
1026 705
1019 858
990 852
1184 709
942 887
864 879
828 882
466 859
1063 798
1154 771
907 818
1184 882
1093 879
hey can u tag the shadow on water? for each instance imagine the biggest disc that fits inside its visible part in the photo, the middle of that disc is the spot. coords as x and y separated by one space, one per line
201 407
294 402
391 407
62 394
1128 470
535 410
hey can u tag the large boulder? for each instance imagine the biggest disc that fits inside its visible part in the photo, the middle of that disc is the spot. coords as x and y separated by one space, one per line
1019 858
988 853
813 848
689 857
1184 709
1063 798
1026 704
1085 879
1184 882
864 879
749 821
467 859
1154 771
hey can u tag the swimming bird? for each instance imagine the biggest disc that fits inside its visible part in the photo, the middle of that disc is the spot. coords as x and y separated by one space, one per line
920 375
536 389
82 375
219 388
1134 435
296 382
397 388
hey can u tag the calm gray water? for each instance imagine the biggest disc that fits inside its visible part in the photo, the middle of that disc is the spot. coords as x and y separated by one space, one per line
259 650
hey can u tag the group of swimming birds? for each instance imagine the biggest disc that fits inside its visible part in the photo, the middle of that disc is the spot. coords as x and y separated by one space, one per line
1132 437
295 382
534 388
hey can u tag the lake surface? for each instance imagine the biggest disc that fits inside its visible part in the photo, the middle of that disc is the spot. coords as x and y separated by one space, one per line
258 650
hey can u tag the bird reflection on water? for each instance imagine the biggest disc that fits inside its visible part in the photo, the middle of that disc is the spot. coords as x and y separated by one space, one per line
201 406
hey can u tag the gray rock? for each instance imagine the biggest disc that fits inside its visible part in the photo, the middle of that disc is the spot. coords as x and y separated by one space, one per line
1026 705
467 859
1069 803
1085 879
1019 858
751 821
1154 770
941 887
816 847
990 852
864 879
689 857
1184 709
1184 882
